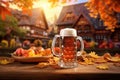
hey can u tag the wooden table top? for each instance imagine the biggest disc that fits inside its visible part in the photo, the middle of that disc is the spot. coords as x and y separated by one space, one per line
23 71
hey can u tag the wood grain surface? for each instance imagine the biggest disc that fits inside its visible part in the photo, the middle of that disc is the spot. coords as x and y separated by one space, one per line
23 71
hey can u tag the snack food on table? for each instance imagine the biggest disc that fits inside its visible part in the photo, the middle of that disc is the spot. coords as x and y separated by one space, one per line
32 52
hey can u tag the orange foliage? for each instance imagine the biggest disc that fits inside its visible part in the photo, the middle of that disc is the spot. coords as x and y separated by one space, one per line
106 9
4 10
58 2
53 2
25 5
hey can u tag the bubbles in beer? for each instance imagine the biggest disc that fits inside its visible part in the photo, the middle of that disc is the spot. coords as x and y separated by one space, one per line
69 48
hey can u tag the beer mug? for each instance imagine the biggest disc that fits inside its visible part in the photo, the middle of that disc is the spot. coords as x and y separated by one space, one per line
67 41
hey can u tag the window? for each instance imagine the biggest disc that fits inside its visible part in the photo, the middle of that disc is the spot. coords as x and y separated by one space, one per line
87 28
79 29
100 23
87 38
100 37
69 16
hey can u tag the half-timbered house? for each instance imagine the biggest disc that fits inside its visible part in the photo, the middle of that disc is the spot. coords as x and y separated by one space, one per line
35 24
77 16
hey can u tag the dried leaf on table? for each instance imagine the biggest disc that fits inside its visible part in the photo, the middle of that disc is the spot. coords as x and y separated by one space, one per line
107 55
6 60
116 64
83 63
103 67
53 60
87 61
117 55
93 55
84 53
56 66
42 65
114 59
100 60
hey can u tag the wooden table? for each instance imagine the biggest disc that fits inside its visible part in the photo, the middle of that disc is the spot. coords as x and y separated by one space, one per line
20 71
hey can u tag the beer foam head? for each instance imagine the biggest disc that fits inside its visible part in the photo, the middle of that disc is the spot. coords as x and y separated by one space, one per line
68 32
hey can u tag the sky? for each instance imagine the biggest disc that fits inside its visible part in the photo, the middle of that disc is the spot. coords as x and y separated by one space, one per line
77 1
50 13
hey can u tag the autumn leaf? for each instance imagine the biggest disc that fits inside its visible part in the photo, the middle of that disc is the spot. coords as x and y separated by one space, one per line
4 12
25 5
116 6
106 10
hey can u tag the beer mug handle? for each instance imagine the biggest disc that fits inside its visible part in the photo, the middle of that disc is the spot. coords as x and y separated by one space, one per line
53 45
82 46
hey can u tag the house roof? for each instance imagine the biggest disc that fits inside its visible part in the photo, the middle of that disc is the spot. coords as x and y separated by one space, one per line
78 10
64 11
36 19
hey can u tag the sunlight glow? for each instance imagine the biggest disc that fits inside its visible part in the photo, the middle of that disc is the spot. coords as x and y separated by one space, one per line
49 12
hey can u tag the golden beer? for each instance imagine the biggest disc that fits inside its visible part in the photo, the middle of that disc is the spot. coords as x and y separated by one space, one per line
68 47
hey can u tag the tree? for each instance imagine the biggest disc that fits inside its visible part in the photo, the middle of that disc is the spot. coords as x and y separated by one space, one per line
9 26
107 10
25 5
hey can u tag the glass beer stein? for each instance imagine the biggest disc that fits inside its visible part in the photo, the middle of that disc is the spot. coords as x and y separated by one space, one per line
67 41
